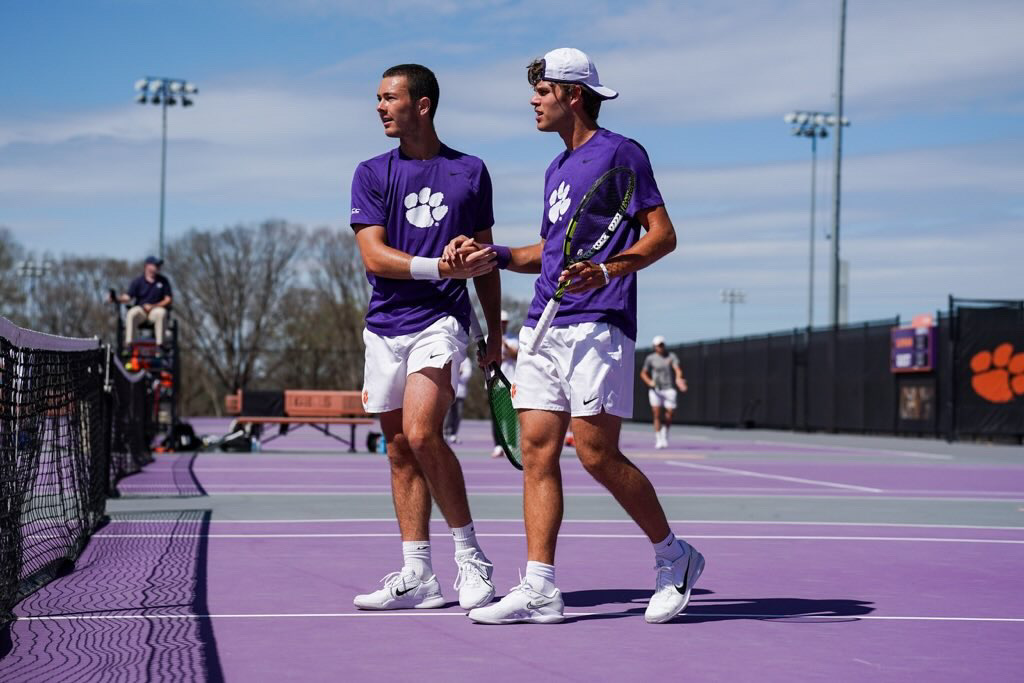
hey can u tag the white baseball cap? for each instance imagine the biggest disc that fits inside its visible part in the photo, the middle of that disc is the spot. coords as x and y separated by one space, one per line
569 65
658 340
504 316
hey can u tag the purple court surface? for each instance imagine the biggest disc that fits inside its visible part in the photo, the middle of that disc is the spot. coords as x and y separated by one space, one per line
828 557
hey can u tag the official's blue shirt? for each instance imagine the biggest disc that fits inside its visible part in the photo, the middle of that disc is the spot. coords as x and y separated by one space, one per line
145 292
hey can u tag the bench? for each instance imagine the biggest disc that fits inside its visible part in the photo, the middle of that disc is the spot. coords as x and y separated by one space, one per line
318 409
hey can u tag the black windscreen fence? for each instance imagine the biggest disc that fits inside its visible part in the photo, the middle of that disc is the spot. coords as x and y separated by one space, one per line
841 379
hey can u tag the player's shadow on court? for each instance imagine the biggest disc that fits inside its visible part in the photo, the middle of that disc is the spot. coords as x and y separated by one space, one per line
701 609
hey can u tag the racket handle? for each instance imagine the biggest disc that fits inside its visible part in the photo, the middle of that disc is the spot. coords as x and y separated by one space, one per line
542 325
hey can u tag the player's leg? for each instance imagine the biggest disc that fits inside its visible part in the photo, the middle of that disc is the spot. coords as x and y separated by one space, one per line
668 405
536 599
433 360
678 564
597 446
655 400
543 419
428 396
414 585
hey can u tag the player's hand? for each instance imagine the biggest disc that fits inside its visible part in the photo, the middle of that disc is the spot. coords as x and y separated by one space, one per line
147 307
459 248
681 384
494 343
583 277
472 265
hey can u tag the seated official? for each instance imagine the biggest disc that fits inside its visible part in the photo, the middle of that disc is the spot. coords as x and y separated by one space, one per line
150 296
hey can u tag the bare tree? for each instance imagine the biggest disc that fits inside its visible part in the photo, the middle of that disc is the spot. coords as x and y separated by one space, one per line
230 292
72 298
11 296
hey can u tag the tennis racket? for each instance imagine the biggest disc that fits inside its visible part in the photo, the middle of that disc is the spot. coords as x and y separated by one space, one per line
598 216
499 397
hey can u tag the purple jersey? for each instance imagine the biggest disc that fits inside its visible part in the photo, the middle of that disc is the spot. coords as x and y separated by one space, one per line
567 179
422 205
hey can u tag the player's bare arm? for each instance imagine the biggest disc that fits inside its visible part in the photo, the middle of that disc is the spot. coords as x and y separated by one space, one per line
488 290
385 261
646 378
657 242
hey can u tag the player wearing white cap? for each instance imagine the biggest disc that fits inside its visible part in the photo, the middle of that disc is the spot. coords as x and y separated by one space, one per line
661 372
581 373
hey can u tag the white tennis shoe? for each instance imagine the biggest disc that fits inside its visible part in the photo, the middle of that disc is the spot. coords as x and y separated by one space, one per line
403 590
673 584
522 605
474 580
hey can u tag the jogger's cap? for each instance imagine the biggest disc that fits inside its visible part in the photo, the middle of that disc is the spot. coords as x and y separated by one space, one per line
569 65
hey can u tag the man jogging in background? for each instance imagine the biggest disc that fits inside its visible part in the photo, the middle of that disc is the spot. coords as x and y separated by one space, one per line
582 371
407 204
661 372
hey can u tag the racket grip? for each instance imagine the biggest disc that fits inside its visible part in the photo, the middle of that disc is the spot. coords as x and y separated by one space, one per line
543 324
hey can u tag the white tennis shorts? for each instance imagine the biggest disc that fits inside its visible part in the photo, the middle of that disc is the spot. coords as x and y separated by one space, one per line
389 360
662 398
579 369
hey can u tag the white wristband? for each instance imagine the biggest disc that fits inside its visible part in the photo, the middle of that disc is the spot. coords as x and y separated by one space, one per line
604 269
421 268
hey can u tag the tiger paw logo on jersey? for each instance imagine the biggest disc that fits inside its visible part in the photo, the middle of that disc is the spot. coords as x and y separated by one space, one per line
998 374
559 202
425 208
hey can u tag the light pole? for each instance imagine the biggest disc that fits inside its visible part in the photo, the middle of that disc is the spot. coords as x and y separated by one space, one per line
814 125
733 297
33 272
837 162
164 92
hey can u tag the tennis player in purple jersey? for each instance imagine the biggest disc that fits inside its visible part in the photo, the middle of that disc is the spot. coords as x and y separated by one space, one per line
582 372
407 205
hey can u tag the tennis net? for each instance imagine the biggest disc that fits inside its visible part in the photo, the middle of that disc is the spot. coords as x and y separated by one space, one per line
59 420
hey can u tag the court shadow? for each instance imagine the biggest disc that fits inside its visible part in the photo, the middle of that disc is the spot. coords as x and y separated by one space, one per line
134 608
171 476
702 609
605 596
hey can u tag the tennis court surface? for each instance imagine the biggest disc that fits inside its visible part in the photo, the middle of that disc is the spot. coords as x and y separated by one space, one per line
840 557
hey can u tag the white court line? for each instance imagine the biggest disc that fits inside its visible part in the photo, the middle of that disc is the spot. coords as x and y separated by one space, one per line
462 615
855 449
745 537
391 520
810 495
748 473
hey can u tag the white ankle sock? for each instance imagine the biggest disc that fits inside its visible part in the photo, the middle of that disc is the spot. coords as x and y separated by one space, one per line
465 538
417 557
541 577
670 549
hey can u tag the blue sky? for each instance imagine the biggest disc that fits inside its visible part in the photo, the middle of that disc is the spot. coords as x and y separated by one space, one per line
933 163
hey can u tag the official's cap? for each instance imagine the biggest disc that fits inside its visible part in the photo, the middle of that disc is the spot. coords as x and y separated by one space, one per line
154 260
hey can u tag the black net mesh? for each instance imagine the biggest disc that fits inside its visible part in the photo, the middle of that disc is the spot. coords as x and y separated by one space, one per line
54 442
130 434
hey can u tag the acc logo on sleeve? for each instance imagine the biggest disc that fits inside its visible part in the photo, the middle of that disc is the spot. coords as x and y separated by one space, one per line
425 209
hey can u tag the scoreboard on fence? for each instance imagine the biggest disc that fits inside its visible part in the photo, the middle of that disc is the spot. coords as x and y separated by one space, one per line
913 348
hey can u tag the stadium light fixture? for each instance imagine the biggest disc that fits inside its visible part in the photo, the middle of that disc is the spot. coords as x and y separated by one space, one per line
162 92
813 125
733 297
